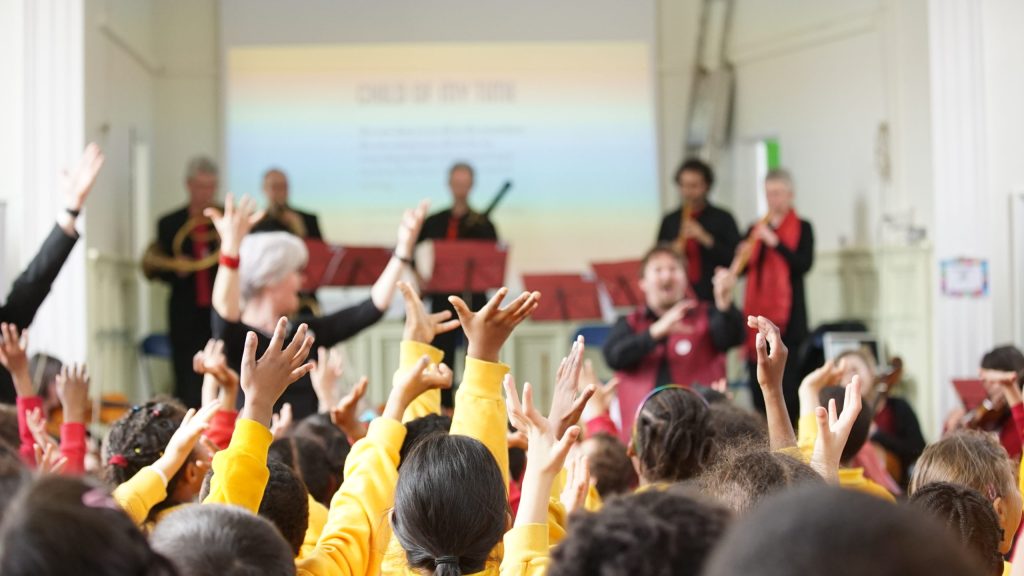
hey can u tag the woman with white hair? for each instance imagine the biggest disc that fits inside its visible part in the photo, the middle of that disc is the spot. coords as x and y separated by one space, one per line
259 279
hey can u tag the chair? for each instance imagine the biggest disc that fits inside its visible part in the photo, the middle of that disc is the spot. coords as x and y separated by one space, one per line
153 346
594 335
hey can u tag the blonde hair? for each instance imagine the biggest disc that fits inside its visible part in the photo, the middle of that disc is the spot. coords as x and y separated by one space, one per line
967 458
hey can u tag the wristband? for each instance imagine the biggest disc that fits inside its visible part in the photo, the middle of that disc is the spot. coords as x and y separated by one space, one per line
400 259
74 213
229 261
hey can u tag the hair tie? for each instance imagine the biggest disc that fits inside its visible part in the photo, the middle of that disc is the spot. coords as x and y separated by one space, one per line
452 560
118 460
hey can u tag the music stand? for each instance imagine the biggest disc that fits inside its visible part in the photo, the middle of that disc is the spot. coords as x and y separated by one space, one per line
620 280
331 265
467 266
564 296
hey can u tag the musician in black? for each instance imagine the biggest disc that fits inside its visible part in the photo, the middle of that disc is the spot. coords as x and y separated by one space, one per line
458 222
281 216
709 237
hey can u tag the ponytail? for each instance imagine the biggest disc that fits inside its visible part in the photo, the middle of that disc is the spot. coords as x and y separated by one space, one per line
447 566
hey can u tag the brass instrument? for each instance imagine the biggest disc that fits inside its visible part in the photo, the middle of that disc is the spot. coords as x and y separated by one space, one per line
295 224
739 262
155 261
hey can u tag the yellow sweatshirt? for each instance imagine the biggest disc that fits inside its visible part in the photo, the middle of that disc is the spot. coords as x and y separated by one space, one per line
140 493
317 520
240 472
429 402
526 551
851 478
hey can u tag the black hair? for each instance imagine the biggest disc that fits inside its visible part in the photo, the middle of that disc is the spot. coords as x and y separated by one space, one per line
334 442
1007 359
673 439
652 532
732 424
451 507
286 504
698 166
222 540
65 525
419 428
611 470
830 530
308 458
861 426
44 370
138 440
743 476
968 516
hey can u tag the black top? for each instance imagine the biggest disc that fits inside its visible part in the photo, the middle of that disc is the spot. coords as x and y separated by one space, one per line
800 262
722 226
183 288
472 226
327 330
625 349
906 442
29 290
272 224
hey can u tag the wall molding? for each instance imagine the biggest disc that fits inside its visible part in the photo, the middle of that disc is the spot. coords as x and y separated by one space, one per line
823 32
149 62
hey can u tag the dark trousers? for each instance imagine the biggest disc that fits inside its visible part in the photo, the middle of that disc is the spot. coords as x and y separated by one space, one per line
189 332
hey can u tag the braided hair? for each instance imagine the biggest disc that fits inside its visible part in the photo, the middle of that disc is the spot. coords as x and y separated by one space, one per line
139 438
672 436
969 517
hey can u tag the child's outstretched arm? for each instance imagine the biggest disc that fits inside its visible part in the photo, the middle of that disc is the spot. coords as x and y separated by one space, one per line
13 357
833 432
349 542
479 406
73 391
420 330
240 472
770 368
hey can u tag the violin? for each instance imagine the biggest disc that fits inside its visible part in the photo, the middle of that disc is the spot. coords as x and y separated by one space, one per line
884 384
111 408
988 416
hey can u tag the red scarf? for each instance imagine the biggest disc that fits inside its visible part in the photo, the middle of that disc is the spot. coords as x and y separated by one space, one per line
769 289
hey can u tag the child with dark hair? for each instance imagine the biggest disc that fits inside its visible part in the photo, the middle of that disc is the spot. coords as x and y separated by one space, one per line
742 476
62 525
218 540
968 516
820 388
419 428
307 458
610 466
975 460
335 446
827 530
672 438
13 474
154 458
732 424
285 503
654 532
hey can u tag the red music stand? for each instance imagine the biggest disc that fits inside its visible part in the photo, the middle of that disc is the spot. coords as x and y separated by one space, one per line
564 296
467 266
620 280
331 265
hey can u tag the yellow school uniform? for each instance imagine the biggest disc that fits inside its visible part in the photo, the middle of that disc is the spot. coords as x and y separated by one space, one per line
851 478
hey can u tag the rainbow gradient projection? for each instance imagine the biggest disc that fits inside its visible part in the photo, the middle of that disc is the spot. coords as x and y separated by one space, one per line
366 130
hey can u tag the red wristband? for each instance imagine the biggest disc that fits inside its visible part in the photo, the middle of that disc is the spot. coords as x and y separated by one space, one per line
229 261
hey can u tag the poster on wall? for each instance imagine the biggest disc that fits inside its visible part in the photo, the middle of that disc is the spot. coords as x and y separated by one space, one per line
964 277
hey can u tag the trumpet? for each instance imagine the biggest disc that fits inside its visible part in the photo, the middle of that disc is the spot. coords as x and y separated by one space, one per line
156 261
288 218
739 262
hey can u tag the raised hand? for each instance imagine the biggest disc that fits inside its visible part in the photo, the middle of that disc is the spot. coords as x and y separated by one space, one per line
664 325
184 439
545 456
73 391
49 459
764 233
829 374
344 415
577 482
78 183
771 367
327 370
407 386
566 405
409 230
13 357
219 379
264 380
604 393
489 328
235 222
37 426
833 432
693 229
419 325
1007 382
723 284
281 423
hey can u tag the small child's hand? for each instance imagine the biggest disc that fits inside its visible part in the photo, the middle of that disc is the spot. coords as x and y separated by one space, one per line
13 356
327 370
344 414
407 386
567 406
489 328
73 391
184 439
770 366
49 459
833 432
281 423
419 325
577 482
265 380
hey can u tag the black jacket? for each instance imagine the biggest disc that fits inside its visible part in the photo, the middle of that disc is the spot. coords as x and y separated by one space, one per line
29 290
270 224
722 226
